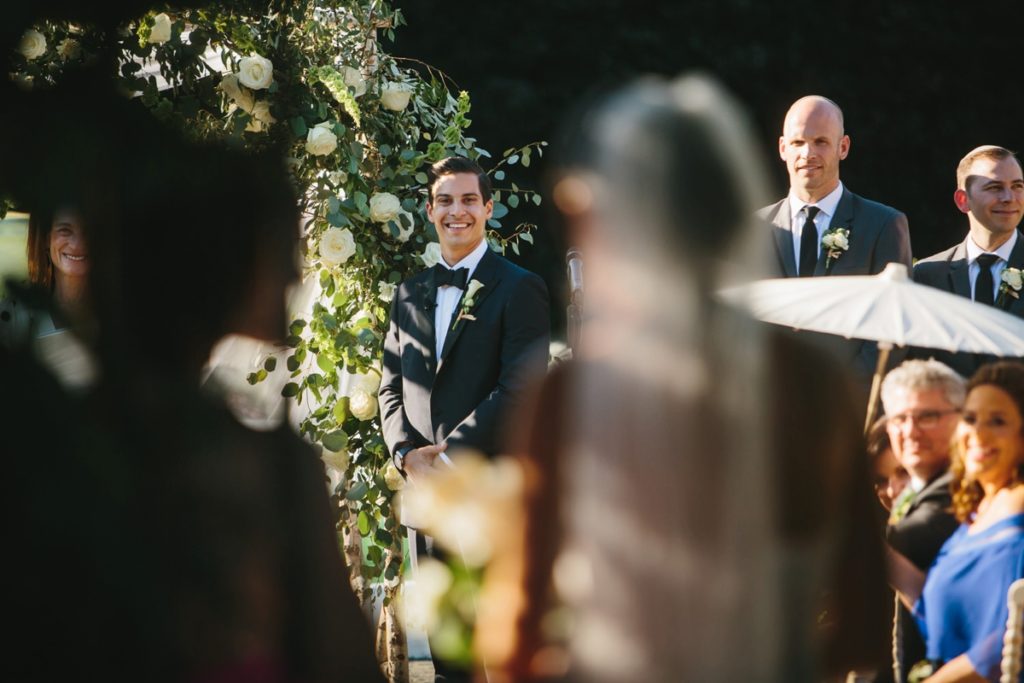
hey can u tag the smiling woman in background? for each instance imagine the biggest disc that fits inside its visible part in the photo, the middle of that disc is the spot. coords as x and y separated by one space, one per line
58 261
961 603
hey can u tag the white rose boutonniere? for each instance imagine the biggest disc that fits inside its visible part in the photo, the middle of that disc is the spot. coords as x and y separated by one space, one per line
321 140
354 79
384 207
337 245
835 241
431 255
160 32
255 72
468 302
362 404
33 45
1012 283
395 96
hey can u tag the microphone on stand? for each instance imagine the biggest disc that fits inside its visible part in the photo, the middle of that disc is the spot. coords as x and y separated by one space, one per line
574 312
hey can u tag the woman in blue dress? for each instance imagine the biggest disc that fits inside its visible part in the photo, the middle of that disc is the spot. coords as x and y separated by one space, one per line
961 604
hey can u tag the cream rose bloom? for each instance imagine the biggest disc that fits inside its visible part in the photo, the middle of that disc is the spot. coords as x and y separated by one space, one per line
321 140
387 290
337 245
161 31
255 72
33 44
393 479
431 256
395 96
362 404
1012 277
384 207
261 117
335 460
355 80
69 48
236 93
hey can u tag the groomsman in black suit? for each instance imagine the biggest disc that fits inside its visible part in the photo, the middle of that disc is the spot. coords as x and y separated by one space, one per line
922 400
990 190
466 336
821 227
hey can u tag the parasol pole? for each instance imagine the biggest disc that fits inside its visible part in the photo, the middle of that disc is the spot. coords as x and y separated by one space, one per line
884 348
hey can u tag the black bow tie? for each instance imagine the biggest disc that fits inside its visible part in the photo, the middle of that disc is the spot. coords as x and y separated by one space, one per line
446 276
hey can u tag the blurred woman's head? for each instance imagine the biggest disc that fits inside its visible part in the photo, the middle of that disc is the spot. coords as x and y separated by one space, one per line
56 247
988 448
888 475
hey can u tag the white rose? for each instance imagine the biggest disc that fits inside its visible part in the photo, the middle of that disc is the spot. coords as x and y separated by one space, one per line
33 44
367 381
362 404
337 246
393 479
355 80
431 255
255 72
236 93
337 178
261 117
321 140
69 48
387 290
395 96
384 207
842 241
161 31
1012 277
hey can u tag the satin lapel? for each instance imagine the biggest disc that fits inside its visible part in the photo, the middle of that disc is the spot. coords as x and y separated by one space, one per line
425 318
487 274
960 280
783 234
842 218
1016 306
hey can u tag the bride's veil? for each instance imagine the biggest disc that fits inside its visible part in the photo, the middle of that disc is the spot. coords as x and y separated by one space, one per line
670 560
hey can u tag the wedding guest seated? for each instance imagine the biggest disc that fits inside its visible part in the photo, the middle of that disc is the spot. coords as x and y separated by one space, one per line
697 481
960 602
889 476
922 400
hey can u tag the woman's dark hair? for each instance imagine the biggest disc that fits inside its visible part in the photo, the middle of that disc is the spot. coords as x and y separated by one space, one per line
1005 375
40 269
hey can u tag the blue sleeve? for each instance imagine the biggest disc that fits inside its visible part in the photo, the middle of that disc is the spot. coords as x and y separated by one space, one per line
986 651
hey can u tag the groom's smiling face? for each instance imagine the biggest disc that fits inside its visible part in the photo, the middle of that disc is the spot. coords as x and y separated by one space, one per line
459 214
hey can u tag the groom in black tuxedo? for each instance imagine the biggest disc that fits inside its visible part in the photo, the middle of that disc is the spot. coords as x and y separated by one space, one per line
466 336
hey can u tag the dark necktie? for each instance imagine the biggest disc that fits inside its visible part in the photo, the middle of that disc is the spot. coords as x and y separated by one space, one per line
984 285
809 243
447 276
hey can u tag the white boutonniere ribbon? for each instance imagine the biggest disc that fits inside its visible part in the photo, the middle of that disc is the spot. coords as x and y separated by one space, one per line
835 241
468 302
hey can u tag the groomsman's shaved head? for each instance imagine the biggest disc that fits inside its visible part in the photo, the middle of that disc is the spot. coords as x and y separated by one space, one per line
817 104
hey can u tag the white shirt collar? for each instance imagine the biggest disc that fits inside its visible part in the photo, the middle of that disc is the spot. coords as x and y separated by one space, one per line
1003 252
826 205
471 260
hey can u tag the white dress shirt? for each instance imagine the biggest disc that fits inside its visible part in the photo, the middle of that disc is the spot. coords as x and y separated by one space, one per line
1003 252
448 296
826 209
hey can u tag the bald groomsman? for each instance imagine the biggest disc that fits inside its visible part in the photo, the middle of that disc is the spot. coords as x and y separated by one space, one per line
822 228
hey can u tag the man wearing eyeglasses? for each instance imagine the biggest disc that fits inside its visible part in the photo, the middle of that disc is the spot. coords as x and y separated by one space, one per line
922 401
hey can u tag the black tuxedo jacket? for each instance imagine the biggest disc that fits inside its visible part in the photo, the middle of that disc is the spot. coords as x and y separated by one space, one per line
948 271
464 398
919 536
879 235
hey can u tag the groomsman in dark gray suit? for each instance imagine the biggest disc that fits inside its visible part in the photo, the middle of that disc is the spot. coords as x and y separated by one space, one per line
821 228
987 266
